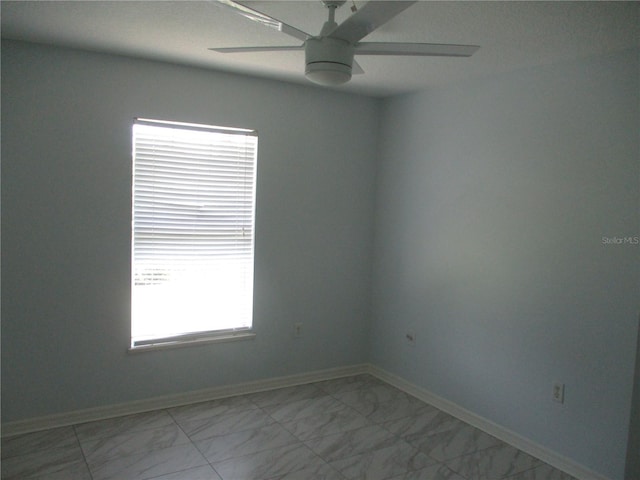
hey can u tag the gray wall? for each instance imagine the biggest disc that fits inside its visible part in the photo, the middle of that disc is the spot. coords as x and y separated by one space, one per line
493 198
66 193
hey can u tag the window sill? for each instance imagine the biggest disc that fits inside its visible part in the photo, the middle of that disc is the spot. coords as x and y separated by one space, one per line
230 337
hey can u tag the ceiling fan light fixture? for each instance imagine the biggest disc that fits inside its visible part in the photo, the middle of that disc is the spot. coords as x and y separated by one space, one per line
328 73
328 60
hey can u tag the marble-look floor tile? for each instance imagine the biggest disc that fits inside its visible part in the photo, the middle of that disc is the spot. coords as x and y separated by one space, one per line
353 442
382 403
63 437
344 429
199 473
146 465
432 472
348 384
119 425
342 420
493 463
106 448
227 423
461 439
238 444
366 400
46 462
76 471
298 409
428 421
284 395
319 472
267 464
543 472
212 408
383 463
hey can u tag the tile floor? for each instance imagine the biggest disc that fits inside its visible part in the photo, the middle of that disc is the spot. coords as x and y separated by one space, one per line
350 428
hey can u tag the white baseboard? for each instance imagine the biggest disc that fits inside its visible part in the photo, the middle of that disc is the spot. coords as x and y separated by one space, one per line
175 400
548 456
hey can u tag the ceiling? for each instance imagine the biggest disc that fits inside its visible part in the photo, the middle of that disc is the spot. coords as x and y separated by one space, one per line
512 35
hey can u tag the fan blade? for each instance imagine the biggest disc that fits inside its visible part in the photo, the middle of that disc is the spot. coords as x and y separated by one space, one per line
356 69
371 16
417 49
256 49
263 19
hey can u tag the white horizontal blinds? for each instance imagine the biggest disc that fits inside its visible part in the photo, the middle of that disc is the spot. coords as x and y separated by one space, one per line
193 217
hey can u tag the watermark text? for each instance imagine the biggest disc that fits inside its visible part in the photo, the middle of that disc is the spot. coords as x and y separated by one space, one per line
621 240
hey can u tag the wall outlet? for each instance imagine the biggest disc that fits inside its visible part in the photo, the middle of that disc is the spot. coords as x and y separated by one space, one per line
410 337
297 330
557 394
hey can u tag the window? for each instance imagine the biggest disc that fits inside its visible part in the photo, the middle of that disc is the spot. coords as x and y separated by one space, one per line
193 232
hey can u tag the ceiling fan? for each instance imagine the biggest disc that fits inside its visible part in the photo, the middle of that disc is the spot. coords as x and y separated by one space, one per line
329 55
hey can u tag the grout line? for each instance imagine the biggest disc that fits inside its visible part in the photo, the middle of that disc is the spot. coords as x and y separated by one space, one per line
84 456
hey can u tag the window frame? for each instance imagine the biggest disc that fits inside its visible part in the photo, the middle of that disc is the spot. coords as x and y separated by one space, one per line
197 337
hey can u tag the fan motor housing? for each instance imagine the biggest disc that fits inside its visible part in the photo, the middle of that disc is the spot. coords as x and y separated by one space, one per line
328 60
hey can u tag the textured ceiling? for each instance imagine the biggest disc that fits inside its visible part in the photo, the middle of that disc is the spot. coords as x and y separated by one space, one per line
512 35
